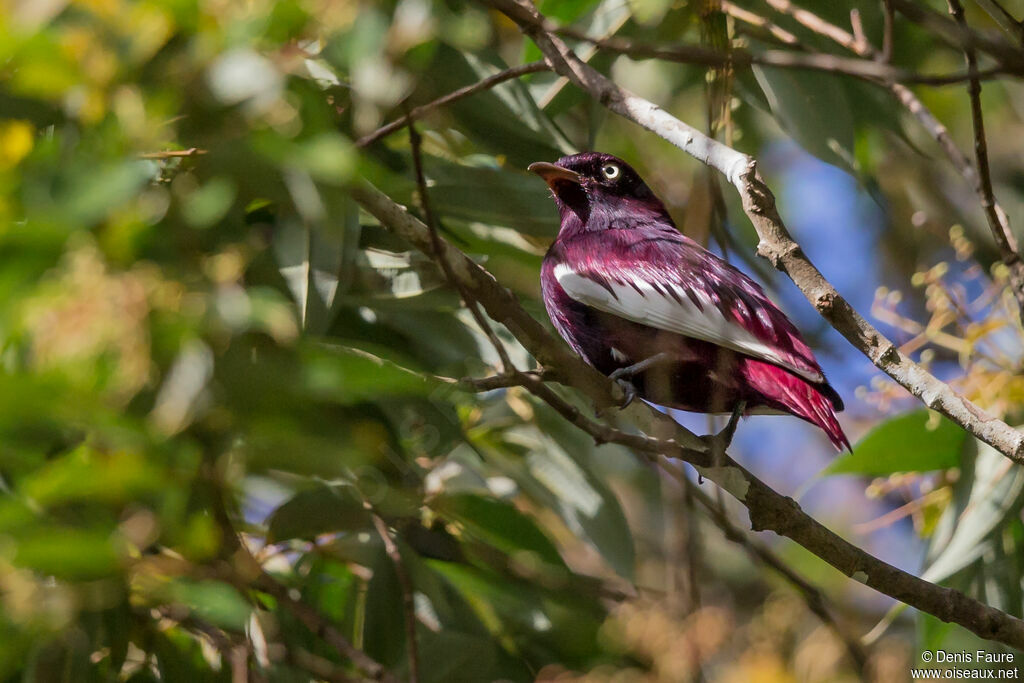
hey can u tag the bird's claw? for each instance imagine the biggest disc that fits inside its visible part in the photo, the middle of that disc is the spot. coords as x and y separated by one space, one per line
628 390
718 443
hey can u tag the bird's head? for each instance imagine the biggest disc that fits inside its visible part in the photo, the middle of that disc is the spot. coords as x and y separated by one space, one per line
595 191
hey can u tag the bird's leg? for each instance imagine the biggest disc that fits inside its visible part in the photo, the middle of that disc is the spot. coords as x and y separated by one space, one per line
647 363
720 442
622 375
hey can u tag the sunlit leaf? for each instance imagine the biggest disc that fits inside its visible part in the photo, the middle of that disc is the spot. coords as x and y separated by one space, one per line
919 441
990 489
499 524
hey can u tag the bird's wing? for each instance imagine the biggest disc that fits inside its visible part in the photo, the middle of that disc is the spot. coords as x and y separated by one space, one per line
669 282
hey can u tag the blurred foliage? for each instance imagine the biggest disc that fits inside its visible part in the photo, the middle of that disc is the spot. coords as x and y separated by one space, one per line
205 340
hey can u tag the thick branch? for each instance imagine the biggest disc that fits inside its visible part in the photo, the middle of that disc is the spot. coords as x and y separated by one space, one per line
776 244
768 509
501 304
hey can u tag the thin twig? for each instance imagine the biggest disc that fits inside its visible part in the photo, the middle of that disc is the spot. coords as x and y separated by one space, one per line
768 509
812 597
998 221
691 54
888 26
1009 56
405 585
994 213
745 15
776 244
246 573
857 26
430 220
173 153
319 626
420 111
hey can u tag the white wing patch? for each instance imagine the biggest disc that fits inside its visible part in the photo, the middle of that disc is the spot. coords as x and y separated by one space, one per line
650 307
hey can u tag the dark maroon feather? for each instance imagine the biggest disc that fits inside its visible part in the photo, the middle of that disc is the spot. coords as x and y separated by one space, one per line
616 235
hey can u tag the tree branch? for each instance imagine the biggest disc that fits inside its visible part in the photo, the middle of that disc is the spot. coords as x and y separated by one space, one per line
420 111
873 71
776 31
812 597
428 216
319 626
1002 17
1008 55
768 509
776 244
998 221
980 182
405 584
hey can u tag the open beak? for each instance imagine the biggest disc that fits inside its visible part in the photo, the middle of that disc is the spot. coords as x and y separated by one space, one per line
553 174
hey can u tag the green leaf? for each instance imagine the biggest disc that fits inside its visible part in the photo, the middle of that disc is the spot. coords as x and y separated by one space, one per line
916 442
87 474
310 260
68 553
496 197
989 493
214 601
589 508
351 376
208 204
498 524
503 121
814 109
321 509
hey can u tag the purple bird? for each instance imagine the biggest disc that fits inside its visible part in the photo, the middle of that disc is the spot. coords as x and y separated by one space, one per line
667 319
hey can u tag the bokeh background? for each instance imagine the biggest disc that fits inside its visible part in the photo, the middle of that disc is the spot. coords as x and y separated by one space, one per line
223 393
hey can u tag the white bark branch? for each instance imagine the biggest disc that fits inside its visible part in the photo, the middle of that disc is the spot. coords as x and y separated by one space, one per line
776 243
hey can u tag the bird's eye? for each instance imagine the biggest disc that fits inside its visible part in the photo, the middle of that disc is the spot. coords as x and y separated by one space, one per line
610 171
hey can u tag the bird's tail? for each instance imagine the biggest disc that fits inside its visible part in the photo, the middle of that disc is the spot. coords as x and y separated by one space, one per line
784 390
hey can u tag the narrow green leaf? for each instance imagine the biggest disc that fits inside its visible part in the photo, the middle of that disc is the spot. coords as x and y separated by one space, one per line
814 109
989 494
499 524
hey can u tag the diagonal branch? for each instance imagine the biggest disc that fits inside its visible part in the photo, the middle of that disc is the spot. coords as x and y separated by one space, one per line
768 509
422 110
776 244
870 70
813 598
979 178
1003 17
405 584
1005 53
428 216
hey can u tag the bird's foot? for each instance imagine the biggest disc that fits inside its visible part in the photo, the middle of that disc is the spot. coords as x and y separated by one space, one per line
720 442
636 368
623 375
628 391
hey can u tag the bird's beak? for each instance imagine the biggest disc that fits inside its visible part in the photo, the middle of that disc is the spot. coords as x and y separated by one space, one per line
553 174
